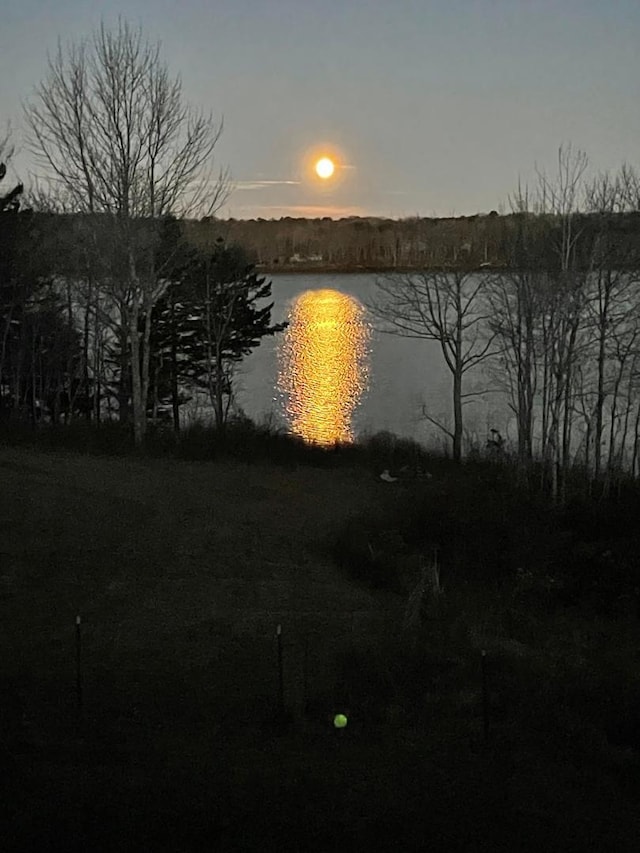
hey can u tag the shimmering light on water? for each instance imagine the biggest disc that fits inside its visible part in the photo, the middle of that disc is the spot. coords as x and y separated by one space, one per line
324 365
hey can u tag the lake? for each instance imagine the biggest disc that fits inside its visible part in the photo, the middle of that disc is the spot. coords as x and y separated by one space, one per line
332 374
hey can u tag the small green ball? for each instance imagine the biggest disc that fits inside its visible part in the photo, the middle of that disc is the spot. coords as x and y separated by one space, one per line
339 721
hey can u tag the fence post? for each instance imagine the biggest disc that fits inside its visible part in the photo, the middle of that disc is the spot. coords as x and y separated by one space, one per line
78 664
280 672
305 676
485 698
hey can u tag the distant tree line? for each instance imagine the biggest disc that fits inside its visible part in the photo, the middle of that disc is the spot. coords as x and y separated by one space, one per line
355 243
373 244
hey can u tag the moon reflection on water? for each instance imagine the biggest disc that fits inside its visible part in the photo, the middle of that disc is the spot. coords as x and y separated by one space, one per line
324 365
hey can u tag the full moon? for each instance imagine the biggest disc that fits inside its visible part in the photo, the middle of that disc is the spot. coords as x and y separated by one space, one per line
324 168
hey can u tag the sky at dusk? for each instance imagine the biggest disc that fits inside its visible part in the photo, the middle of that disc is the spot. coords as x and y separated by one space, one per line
431 107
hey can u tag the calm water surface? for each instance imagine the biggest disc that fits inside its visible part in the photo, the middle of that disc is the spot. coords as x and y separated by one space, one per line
332 375
323 364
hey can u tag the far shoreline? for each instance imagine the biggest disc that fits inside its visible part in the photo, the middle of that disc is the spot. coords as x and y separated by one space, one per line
300 269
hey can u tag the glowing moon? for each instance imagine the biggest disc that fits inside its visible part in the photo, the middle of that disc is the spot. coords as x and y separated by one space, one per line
324 168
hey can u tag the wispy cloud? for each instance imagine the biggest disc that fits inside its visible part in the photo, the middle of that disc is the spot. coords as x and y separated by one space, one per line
258 185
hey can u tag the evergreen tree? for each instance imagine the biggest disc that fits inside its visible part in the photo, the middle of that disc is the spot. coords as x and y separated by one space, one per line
170 327
226 296
11 292
39 346
173 355
212 315
11 201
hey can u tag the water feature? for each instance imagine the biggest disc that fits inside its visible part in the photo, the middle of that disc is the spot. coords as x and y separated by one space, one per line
323 365
333 375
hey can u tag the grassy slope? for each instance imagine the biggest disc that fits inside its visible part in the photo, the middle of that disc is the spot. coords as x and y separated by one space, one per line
180 572
169 554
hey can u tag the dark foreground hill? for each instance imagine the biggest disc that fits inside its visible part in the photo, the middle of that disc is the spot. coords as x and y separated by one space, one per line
181 572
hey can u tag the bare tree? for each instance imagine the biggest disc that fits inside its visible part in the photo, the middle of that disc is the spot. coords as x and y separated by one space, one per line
112 131
516 297
611 295
11 295
558 199
446 306
538 309
630 186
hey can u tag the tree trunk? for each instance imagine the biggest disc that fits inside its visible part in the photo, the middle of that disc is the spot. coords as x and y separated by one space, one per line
3 351
545 399
85 345
98 366
603 310
597 446
175 400
587 443
144 378
555 464
219 395
625 434
525 411
136 384
126 369
636 445
457 415
615 417
210 359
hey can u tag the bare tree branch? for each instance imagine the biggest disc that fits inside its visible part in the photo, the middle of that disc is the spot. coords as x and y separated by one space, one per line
446 306
114 136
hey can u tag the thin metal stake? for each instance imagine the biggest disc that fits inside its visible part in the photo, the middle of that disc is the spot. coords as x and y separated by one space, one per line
280 671
305 675
78 664
485 698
